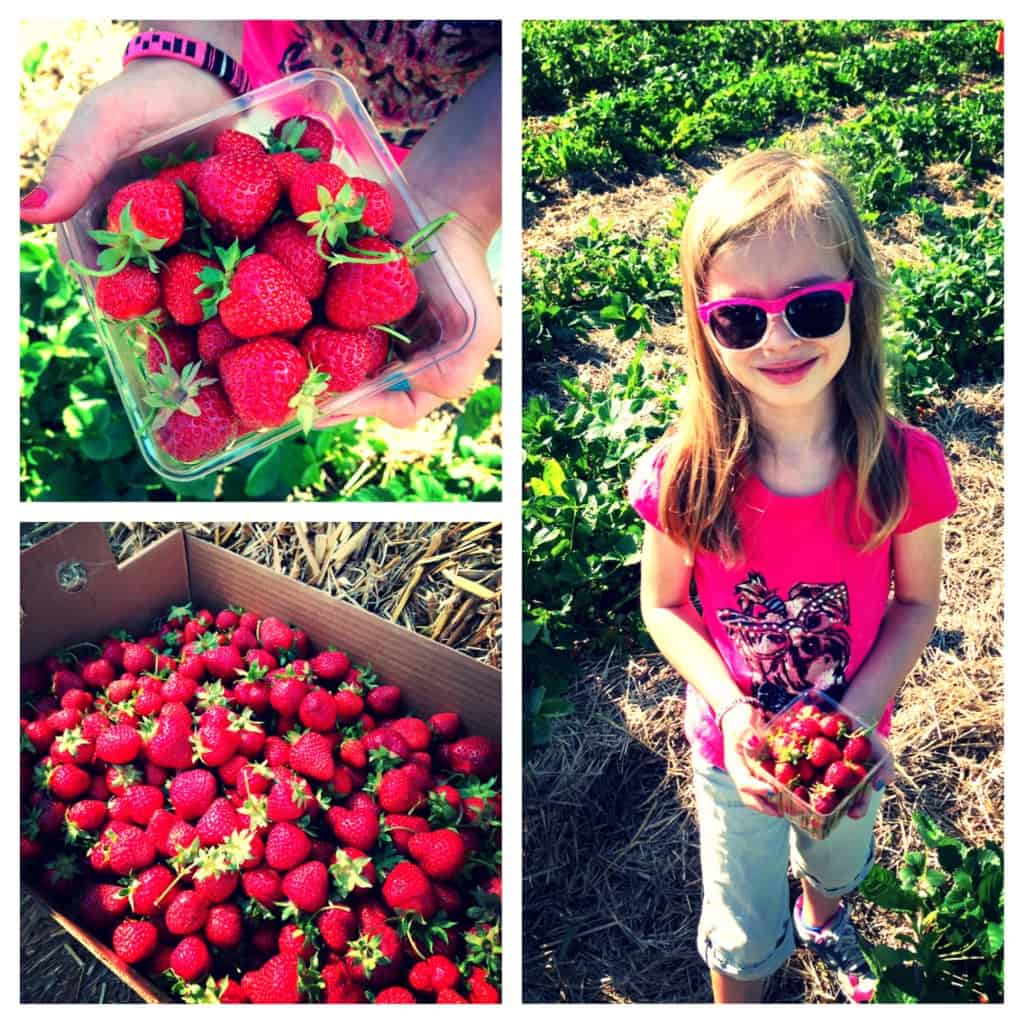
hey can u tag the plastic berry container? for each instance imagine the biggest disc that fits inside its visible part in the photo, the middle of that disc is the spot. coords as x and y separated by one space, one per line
780 735
440 325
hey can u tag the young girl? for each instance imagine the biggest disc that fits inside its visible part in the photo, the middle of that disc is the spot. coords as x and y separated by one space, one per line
794 503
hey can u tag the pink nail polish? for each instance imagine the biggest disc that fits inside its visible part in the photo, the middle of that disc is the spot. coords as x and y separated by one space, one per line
35 200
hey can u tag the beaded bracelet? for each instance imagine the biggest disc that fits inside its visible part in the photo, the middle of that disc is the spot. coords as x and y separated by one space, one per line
192 51
752 701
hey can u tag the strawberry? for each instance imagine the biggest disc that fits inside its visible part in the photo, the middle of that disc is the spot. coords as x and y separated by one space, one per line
434 974
192 792
142 802
287 846
131 292
185 172
395 994
841 776
480 988
181 290
786 772
822 752
857 748
836 726
358 828
287 694
222 661
190 958
213 340
472 755
383 700
374 958
288 242
137 658
407 888
170 744
262 885
130 849
348 357
823 798
415 731
337 927
237 193
442 854
349 707
352 752
398 792
306 133
67 782
277 981
186 913
287 165
148 891
255 295
379 211
120 744
232 141
330 664
98 673
157 210
275 636
268 382
224 927
134 940
318 710
449 995
306 886
289 798
311 756
304 190
360 295
446 725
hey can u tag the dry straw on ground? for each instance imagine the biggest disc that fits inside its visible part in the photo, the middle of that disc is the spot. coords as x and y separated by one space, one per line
441 580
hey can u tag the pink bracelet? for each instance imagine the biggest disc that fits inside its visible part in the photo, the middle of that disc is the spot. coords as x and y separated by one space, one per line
191 51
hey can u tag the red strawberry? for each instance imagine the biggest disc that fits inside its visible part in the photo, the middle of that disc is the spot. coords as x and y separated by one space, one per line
358 828
445 725
137 657
398 792
309 133
379 211
189 438
407 888
287 164
318 710
184 172
287 846
311 756
192 792
232 141
186 913
148 892
67 782
822 752
223 927
262 297
442 854
349 357
836 726
277 981
293 247
98 673
134 940
857 748
190 958
337 927
330 664
179 281
119 744
142 802
449 995
170 745
275 636
303 191
383 700
786 772
262 885
375 957
395 994
360 295
213 340
352 752
157 209
480 988
472 755
289 798
434 974
823 798
131 292
306 886
267 381
130 849
87 815
237 193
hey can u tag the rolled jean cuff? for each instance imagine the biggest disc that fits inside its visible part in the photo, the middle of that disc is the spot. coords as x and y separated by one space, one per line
723 963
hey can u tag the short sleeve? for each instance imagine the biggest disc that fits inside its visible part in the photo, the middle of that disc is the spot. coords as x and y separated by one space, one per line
929 483
645 485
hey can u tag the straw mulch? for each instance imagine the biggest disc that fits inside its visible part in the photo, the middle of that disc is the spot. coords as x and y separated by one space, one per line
442 580
612 887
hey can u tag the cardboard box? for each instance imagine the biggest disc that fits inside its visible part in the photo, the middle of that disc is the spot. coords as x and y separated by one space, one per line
72 589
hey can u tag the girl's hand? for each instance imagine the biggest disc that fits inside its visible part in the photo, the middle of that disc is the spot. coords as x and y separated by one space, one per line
755 793
885 774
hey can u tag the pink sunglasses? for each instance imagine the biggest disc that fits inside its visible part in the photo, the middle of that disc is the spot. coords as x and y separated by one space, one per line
814 312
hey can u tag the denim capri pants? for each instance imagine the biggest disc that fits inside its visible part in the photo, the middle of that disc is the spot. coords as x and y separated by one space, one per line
746 927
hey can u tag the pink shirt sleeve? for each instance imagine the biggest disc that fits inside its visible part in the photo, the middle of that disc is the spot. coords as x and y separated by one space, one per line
645 484
929 483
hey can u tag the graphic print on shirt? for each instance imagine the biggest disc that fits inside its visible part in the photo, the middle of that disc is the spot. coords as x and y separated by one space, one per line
791 645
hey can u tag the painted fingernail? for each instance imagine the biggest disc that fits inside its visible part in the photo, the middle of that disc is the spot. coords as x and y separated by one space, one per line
879 782
35 200
400 383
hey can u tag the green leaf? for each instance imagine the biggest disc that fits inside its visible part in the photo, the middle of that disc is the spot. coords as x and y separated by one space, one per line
34 57
481 408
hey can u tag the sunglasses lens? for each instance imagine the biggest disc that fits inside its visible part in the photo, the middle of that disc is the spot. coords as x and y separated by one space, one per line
816 315
738 326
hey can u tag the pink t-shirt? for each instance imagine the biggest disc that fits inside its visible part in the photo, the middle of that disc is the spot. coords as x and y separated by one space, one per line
803 609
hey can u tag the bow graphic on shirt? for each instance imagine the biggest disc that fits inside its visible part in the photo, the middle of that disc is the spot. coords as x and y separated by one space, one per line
791 645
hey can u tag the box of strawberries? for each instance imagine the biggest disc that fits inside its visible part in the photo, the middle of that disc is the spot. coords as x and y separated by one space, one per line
818 757
260 267
236 788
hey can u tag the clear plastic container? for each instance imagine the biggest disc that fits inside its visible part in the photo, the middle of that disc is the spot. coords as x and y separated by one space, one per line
441 324
799 812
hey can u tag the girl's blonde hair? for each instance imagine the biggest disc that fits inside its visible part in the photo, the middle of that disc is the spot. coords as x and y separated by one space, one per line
714 444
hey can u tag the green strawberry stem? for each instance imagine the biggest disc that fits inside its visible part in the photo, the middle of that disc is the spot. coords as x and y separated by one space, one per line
425 232
394 334
88 272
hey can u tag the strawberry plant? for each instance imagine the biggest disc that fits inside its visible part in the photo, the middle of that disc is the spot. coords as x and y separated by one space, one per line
950 899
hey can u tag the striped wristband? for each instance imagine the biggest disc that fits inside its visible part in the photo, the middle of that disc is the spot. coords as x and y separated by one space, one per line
752 701
191 51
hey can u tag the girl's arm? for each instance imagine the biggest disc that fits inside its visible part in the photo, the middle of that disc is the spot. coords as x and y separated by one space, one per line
680 635
907 625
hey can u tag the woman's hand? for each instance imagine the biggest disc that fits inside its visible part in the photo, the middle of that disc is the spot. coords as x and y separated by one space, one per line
147 97
736 738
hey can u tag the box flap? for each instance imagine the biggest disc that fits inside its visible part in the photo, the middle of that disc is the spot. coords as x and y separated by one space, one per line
433 677
72 588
